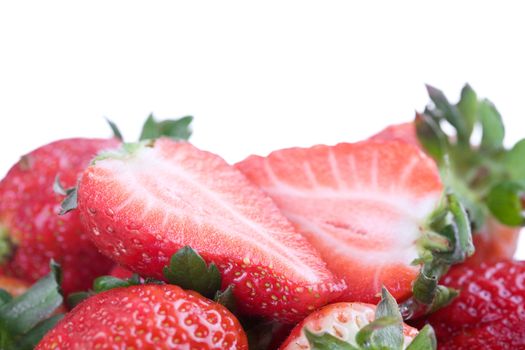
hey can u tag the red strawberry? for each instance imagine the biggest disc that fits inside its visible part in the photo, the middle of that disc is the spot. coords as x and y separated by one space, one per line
29 223
147 317
487 176
120 272
404 132
144 202
489 309
13 286
365 206
341 326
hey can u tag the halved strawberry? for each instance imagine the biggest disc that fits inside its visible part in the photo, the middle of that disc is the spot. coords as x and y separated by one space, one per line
358 326
371 209
488 177
143 202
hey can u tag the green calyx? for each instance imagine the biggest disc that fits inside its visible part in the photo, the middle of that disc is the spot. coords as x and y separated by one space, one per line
6 245
177 129
488 178
384 333
446 241
24 320
187 269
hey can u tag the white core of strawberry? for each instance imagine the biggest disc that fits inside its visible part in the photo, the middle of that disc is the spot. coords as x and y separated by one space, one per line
343 321
366 223
189 188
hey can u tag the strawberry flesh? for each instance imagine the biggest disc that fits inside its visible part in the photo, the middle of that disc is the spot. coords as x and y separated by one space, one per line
142 206
361 205
342 320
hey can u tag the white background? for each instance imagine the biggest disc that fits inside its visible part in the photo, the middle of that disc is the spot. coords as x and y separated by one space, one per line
256 75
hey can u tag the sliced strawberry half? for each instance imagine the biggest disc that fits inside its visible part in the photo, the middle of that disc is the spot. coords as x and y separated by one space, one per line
488 177
144 202
367 207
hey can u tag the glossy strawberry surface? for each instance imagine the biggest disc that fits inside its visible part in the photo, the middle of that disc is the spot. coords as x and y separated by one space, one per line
147 317
29 214
490 310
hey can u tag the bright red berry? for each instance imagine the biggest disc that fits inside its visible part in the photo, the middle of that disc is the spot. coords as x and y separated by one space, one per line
489 312
147 317
31 231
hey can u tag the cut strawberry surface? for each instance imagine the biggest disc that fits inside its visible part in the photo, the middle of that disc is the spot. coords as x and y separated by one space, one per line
359 326
144 202
366 207
488 177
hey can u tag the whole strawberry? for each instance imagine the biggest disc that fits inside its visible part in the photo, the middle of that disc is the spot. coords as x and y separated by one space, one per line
31 231
488 177
147 317
489 312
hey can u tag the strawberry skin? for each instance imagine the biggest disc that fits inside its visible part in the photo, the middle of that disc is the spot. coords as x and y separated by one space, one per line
361 205
342 320
489 309
142 204
404 132
147 317
29 208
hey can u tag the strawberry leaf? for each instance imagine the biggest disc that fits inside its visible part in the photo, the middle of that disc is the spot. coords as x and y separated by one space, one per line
514 161
372 336
104 283
226 299
5 297
178 129
33 337
431 136
391 336
468 106
492 127
21 314
326 341
69 203
504 202
474 169
73 299
425 340
114 128
188 270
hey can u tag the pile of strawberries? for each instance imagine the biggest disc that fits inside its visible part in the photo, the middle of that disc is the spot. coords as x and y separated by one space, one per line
157 244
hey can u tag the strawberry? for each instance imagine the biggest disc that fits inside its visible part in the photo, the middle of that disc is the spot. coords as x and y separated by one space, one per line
13 286
372 209
120 272
143 202
147 317
32 232
355 326
488 177
488 313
